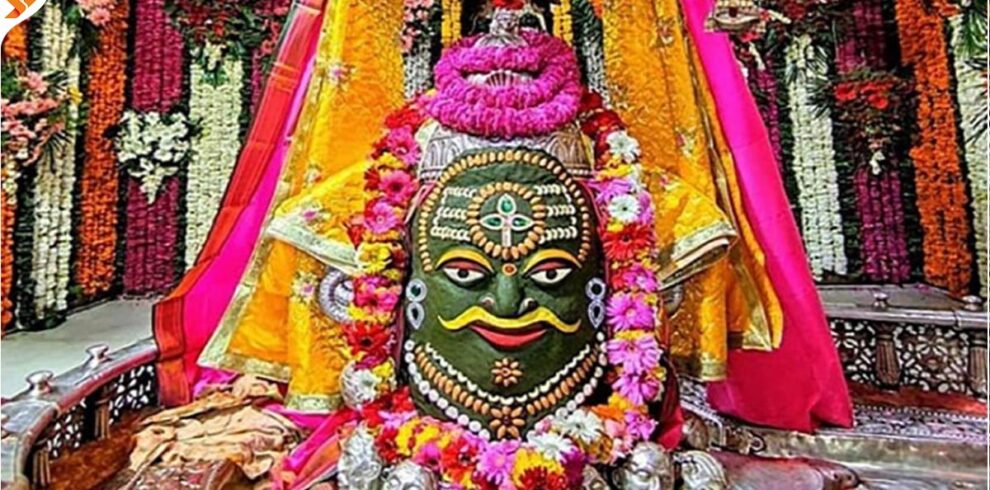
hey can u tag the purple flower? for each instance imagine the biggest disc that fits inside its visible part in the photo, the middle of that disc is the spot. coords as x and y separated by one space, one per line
635 355
639 426
629 312
638 388
381 218
496 462
609 189
637 276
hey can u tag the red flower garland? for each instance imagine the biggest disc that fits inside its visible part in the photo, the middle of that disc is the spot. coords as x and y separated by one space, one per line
95 267
152 234
940 184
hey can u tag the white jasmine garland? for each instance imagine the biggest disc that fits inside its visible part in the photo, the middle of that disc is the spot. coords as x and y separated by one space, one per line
814 164
151 147
216 106
55 181
971 97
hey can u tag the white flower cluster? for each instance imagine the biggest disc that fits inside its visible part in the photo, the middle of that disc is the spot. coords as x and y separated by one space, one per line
215 103
971 95
151 146
55 183
814 165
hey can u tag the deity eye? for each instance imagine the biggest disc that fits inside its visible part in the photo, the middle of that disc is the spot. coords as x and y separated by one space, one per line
551 272
464 273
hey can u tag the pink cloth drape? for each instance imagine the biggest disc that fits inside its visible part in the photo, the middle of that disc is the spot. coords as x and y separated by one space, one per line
800 385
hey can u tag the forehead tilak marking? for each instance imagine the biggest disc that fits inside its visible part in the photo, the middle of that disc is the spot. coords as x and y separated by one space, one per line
439 200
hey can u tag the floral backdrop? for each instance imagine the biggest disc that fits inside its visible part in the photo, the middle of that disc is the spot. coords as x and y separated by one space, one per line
120 124
118 118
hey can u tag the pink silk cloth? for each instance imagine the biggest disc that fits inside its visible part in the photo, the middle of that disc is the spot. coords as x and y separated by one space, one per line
800 385
205 302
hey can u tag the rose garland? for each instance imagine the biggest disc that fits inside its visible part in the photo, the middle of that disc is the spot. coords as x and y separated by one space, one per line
555 453
814 164
152 228
540 106
216 107
54 184
971 94
97 223
941 189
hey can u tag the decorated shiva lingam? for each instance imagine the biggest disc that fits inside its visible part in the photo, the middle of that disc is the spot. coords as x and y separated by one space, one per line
528 326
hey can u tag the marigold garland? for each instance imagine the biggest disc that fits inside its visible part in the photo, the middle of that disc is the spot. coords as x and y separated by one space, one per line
7 212
15 43
941 189
97 225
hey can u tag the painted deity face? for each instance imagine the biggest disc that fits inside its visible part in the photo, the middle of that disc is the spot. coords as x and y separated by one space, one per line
505 304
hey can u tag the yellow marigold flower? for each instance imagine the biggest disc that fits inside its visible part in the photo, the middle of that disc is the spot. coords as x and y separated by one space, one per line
404 437
373 257
389 160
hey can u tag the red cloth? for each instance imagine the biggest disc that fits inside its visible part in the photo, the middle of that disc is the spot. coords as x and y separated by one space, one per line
800 385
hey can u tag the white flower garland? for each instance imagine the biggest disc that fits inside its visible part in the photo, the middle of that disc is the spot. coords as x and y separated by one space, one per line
216 108
972 101
814 164
152 146
53 189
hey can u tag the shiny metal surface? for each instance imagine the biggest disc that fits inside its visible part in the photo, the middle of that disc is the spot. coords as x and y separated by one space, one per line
33 411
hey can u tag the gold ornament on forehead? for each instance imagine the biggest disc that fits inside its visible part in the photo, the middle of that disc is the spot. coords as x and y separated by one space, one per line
507 220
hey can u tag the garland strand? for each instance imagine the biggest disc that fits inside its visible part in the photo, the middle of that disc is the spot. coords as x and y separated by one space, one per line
971 96
450 30
97 222
216 107
941 189
15 43
151 222
814 164
55 183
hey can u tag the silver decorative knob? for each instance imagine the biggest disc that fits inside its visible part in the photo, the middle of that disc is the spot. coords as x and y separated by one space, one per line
98 354
40 382
880 300
972 303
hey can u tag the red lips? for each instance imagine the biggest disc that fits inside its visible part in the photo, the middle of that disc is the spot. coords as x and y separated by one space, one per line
509 339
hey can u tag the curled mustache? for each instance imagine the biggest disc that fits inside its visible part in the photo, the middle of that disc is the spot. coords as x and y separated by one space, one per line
477 314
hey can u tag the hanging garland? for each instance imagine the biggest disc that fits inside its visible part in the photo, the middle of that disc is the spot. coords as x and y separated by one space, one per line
421 23
151 213
867 106
215 106
54 185
97 221
152 147
814 163
941 190
971 94
15 43
273 12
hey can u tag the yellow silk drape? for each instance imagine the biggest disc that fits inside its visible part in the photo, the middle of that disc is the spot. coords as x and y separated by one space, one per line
657 85
273 327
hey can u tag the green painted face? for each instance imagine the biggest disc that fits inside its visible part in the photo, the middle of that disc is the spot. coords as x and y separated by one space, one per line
505 304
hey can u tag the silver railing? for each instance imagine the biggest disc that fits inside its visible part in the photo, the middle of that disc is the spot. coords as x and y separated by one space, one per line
57 414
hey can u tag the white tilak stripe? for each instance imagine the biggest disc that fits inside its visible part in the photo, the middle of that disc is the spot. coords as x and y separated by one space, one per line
814 165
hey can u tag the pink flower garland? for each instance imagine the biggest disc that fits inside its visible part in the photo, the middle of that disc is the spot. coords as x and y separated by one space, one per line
537 107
